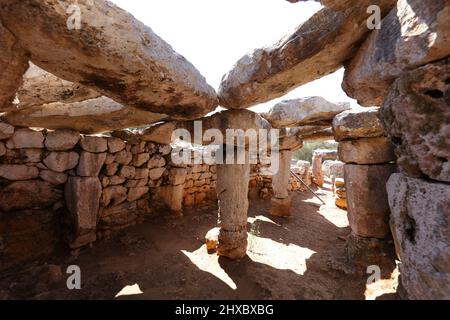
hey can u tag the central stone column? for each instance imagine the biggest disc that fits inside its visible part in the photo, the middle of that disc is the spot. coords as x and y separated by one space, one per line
232 192
317 170
281 203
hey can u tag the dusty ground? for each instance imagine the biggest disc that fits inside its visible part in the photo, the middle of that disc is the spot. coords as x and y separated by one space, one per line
302 257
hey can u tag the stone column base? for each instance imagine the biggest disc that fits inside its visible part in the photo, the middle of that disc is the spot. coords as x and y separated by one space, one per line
232 244
281 207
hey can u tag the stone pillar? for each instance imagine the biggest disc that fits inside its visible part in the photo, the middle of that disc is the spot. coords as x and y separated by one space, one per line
281 202
317 170
232 191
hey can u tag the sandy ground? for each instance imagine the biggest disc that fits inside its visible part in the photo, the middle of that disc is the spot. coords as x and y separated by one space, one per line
301 257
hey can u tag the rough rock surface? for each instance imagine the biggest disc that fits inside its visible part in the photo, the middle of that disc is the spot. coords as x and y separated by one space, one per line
90 164
232 192
358 123
416 115
26 138
61 161
145 73
15 172
304 111
367 199
30 194
317 48
88 117
367 151
13 64
82 199
414 33
61 140
420 225
40 87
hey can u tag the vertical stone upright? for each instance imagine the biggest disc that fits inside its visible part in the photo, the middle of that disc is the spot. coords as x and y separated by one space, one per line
281 202
317 171
232 192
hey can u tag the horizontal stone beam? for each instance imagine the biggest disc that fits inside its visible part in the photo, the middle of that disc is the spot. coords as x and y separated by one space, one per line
358 123
416 32
88 117
304 111
105 48
221 121
40 88
317 48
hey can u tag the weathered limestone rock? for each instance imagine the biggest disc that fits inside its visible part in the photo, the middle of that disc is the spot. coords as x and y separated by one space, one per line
137 193
221 121
156 173
367 151
13 63
420 226
88 117
317 48
414 33
26 138
304 111
16 172
281 203
118 217
146 73
317 172
358 123
314 133
171 197
115 145
416 115
114 195
30 194
23 156
82 199
40 87
368 208
53 177
232 191
90 164
61 140
94 144
127 172
2 149
124 157
61 161
141 159
177 176
6 131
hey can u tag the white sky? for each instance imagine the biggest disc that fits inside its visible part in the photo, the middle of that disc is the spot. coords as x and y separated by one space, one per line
214 34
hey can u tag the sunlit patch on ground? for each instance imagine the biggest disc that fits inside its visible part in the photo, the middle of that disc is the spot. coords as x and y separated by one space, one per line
261 218
130 291
278 255
209 263
383 286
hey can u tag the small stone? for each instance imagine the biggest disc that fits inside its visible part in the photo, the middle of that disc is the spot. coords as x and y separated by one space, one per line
2 149
61 140
26 138
124 157
212 240
16 172
156 162
116 180
142 173
53 177
111 169
140 159
127 172
137 193
115 145
61 161
94 144
114 195
157 173
6 131
177 176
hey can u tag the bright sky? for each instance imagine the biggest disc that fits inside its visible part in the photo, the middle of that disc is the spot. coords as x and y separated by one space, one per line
214 34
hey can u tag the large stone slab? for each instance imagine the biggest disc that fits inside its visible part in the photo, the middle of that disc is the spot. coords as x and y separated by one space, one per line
26 138
358 123
367 151
220 121
420 225
61 140
88 117
367 199
416 115
414 33
145 73
82 200
61 161
90 164
304 111
41 87
13 63
317 48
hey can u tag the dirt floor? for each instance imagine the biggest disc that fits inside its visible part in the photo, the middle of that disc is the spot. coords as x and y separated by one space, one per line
301 257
